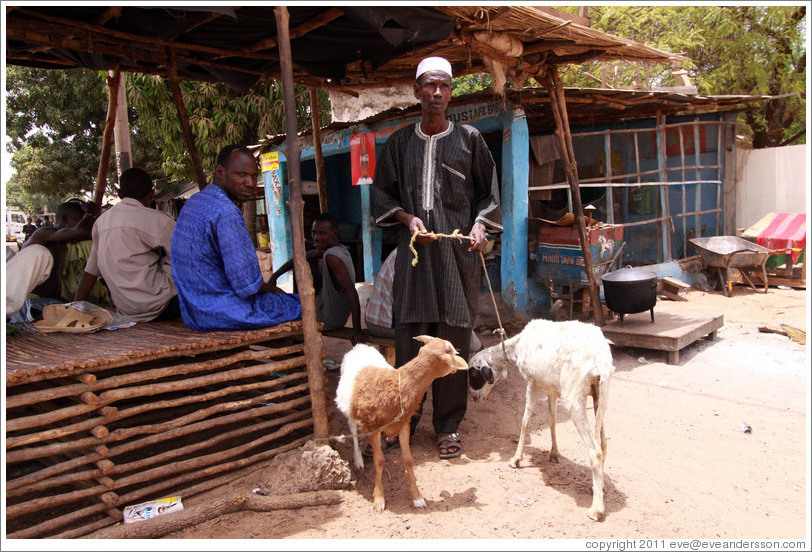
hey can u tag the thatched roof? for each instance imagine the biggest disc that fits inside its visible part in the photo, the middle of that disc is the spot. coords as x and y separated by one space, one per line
332 47
588 107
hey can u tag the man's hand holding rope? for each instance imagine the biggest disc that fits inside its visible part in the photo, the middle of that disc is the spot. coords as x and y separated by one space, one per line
478 237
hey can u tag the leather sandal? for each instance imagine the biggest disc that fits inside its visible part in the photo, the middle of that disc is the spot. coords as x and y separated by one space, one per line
449 445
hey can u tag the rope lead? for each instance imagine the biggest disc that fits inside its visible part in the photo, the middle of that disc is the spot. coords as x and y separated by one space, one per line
456 234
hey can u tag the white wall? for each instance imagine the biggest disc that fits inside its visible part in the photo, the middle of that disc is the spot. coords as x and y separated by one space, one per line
770 180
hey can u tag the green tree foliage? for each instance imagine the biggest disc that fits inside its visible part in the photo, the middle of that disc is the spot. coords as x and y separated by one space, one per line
469 84
28 203
55 120
218 116
747 49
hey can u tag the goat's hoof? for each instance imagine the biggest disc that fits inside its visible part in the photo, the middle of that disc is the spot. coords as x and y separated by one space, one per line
380 505
553 458
419 503
359 464
514 462
595 514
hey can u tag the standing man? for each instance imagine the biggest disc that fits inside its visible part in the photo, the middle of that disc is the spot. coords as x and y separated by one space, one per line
29 228
130 251
437 177
214 263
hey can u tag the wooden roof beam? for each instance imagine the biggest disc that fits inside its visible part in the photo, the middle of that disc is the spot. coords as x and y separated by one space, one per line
132 38
545 45
32 57
301 30
132 53
108 14
581 57
210 17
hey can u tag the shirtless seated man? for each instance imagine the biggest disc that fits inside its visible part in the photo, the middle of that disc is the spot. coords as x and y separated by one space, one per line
40 264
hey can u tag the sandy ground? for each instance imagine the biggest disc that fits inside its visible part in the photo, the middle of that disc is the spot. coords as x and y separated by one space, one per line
679 464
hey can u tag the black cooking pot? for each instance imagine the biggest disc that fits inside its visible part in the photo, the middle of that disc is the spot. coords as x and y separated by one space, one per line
630 290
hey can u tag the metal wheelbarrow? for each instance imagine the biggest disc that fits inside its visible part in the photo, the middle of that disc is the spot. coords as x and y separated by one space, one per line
726 252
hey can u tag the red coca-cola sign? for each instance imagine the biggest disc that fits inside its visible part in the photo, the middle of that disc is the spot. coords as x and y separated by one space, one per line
362 156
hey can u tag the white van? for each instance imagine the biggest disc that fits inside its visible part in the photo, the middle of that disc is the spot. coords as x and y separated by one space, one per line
15 220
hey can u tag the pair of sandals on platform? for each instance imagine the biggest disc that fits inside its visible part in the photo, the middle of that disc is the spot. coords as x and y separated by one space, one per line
448 445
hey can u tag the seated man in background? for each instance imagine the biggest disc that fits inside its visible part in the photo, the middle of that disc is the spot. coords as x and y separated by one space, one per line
214 262
47 263
336 296
131 245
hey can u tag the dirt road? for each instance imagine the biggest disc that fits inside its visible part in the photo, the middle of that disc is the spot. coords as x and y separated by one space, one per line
679 464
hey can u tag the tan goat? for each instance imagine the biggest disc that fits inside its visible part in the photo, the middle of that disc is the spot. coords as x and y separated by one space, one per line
377 399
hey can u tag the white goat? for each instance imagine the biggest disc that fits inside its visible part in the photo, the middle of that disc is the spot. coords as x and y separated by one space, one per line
377 399
566 360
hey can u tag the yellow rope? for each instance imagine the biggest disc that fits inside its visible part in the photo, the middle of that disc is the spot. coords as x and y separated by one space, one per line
455 234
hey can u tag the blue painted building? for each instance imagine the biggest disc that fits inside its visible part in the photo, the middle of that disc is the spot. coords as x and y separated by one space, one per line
661 169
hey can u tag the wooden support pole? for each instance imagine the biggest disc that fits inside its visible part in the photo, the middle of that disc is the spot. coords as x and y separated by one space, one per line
321 178
553 84
186 129
662 162
122 130
304 280
107 138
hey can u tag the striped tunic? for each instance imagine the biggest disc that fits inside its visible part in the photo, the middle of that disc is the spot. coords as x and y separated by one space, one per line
449 181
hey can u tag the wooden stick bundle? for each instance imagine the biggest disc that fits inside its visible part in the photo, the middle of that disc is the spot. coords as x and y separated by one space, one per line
19 486
160 526
115 382
131 392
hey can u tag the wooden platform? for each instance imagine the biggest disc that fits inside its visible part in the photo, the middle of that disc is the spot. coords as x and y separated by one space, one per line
670 332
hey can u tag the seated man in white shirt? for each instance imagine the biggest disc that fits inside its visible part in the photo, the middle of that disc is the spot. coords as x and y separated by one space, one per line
131 247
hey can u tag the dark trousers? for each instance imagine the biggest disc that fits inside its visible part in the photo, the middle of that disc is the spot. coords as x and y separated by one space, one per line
450 393
171 310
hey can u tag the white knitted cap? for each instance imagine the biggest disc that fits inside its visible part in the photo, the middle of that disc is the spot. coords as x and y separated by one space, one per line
433 64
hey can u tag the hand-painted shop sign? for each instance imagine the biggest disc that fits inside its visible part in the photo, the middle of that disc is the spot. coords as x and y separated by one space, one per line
270 161
460 115
466 114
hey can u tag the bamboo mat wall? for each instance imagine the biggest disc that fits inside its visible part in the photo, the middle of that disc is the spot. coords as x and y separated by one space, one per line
99 422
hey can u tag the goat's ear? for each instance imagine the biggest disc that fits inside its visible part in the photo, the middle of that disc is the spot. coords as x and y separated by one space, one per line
423 338
487 373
